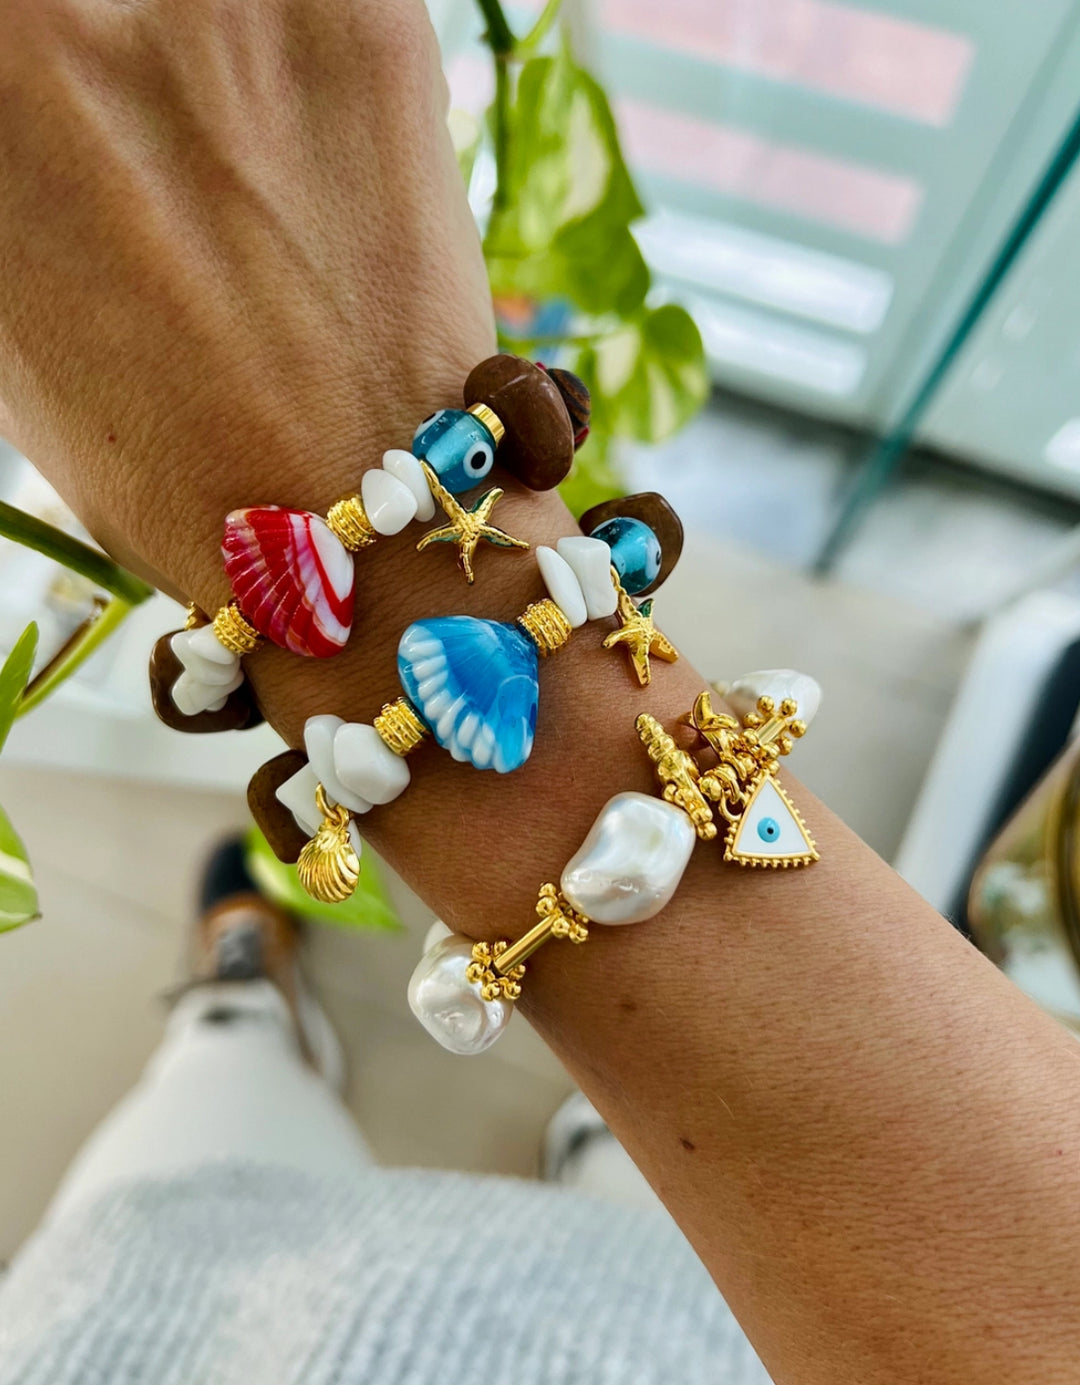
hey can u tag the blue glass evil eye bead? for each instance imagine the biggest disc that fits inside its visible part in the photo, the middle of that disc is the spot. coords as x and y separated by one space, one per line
635 551
475 683
458 448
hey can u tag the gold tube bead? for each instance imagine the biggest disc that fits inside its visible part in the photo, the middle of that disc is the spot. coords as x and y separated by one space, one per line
234 632
400 729
490 419
348 521
546 626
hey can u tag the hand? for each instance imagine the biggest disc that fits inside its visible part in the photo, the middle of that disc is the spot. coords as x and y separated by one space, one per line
237 257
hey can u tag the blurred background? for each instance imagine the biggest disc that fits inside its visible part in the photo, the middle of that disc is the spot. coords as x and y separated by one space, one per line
870 212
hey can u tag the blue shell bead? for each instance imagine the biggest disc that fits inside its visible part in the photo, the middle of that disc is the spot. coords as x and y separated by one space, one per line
457 447
635 551
476 684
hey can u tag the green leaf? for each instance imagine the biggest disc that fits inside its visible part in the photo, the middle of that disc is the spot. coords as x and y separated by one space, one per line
367 908
649 377
14 677
18 897
563 227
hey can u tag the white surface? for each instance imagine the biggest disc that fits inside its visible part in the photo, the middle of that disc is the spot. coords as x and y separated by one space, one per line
216 1091
993 707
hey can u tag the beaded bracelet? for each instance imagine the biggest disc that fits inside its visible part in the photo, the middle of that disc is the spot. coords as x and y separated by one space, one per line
292 572
470 684
633 858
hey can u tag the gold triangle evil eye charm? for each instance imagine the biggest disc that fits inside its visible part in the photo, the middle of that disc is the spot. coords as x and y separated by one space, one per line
770 830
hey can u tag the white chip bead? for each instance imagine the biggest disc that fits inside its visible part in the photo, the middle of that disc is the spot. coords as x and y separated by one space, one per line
776 683
191 695
388 502
591 562
563 586
450 1007
203 641
366 765
298 795
203 670
630 864
319 733
406 468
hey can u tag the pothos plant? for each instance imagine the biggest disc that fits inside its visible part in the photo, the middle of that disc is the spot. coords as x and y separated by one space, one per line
568 280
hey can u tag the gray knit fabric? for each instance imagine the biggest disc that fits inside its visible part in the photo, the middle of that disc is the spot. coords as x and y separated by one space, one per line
251 1276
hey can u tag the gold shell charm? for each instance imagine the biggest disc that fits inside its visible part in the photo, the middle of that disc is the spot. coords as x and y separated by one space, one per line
329 867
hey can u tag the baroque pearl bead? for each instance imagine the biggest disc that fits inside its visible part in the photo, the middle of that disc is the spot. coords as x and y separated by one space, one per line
776 683
630 864
388 502
319 733
406 468
563 586
591 562
449 1006
366 765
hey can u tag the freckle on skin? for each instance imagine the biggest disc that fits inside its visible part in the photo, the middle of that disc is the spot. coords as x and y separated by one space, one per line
110 437
687 1144
628 1006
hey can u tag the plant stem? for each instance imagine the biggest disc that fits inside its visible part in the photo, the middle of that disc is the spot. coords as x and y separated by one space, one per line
540 30
72 553
501 133
92 633
500 36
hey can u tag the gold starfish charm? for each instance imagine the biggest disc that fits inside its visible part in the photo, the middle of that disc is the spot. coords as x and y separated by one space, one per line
640 636
466 527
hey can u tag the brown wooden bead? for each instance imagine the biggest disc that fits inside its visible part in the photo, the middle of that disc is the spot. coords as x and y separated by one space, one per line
578 402
240 713
539 444
273 819
652 509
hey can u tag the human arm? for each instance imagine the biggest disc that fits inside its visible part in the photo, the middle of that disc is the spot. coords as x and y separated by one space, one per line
237 263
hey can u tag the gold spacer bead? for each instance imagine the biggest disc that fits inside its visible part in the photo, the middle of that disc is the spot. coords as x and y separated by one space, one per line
546 626
234 632
348 521
490 419
399 727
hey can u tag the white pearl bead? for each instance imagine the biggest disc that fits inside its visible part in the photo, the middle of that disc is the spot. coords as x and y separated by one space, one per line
298 795
630 864
366 765
388 501
319 733
450 1007
205 642
435 934
406 468
776 683
591 562
563 586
